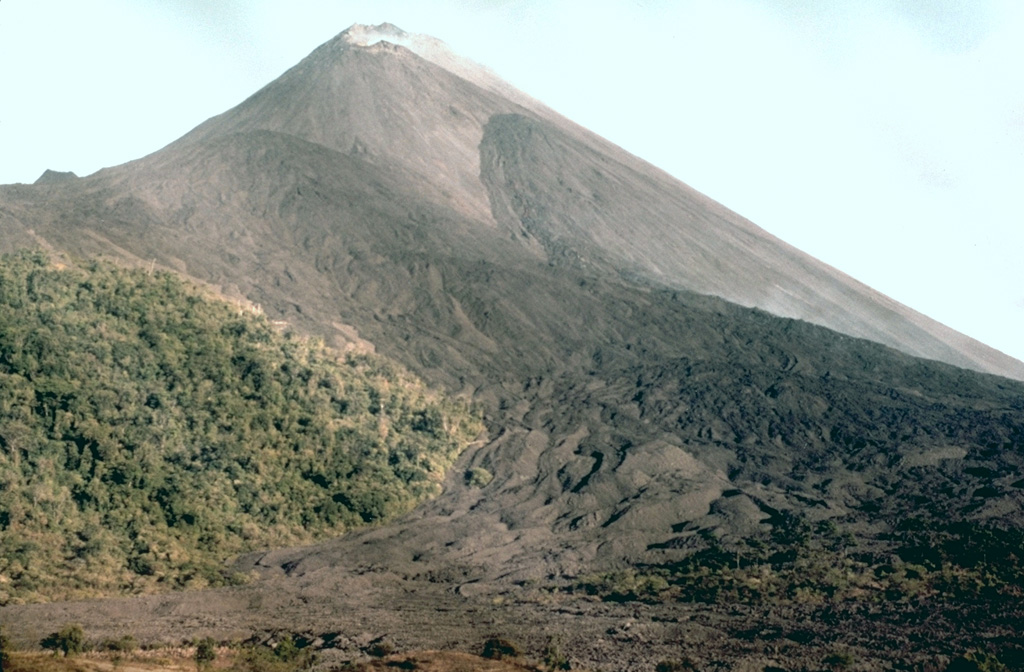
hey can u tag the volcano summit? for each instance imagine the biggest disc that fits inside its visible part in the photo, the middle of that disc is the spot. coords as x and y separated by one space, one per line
665 384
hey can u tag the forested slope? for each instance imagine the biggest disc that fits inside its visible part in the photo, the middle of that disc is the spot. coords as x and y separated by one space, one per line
148 432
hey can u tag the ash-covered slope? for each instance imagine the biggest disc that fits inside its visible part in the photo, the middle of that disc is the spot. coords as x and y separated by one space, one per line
576 194
477 148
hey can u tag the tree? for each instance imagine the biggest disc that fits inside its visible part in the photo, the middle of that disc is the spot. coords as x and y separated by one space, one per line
5 651
70 640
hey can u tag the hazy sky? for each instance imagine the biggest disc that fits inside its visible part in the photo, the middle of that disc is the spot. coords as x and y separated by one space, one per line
885 137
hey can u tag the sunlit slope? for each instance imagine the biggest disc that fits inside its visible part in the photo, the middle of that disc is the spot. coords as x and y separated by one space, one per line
149 432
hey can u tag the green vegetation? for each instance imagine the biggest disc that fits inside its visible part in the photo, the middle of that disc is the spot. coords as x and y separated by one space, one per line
498 648
478 477
5 651
149 432
287 656
964 559
287 650
977 661
838 661
380 648
206 652
554 658
801 563
126 644
69 640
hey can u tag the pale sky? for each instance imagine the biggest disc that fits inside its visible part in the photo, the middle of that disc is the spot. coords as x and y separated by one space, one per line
885 137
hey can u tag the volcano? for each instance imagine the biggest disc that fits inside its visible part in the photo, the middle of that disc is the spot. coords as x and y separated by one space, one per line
659 375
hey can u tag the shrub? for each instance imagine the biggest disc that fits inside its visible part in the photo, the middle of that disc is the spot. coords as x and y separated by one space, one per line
286 649
257 659
287 656
126 644
70 640
684 665
838 661
976 661
478 477
497 648
206 652
380 648
554 659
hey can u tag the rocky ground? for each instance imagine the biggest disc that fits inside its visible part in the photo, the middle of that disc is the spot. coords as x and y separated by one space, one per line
344 614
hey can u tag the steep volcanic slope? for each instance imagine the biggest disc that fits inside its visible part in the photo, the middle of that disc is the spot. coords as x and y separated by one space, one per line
496 249
374 196
510 165
592 208
381 102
